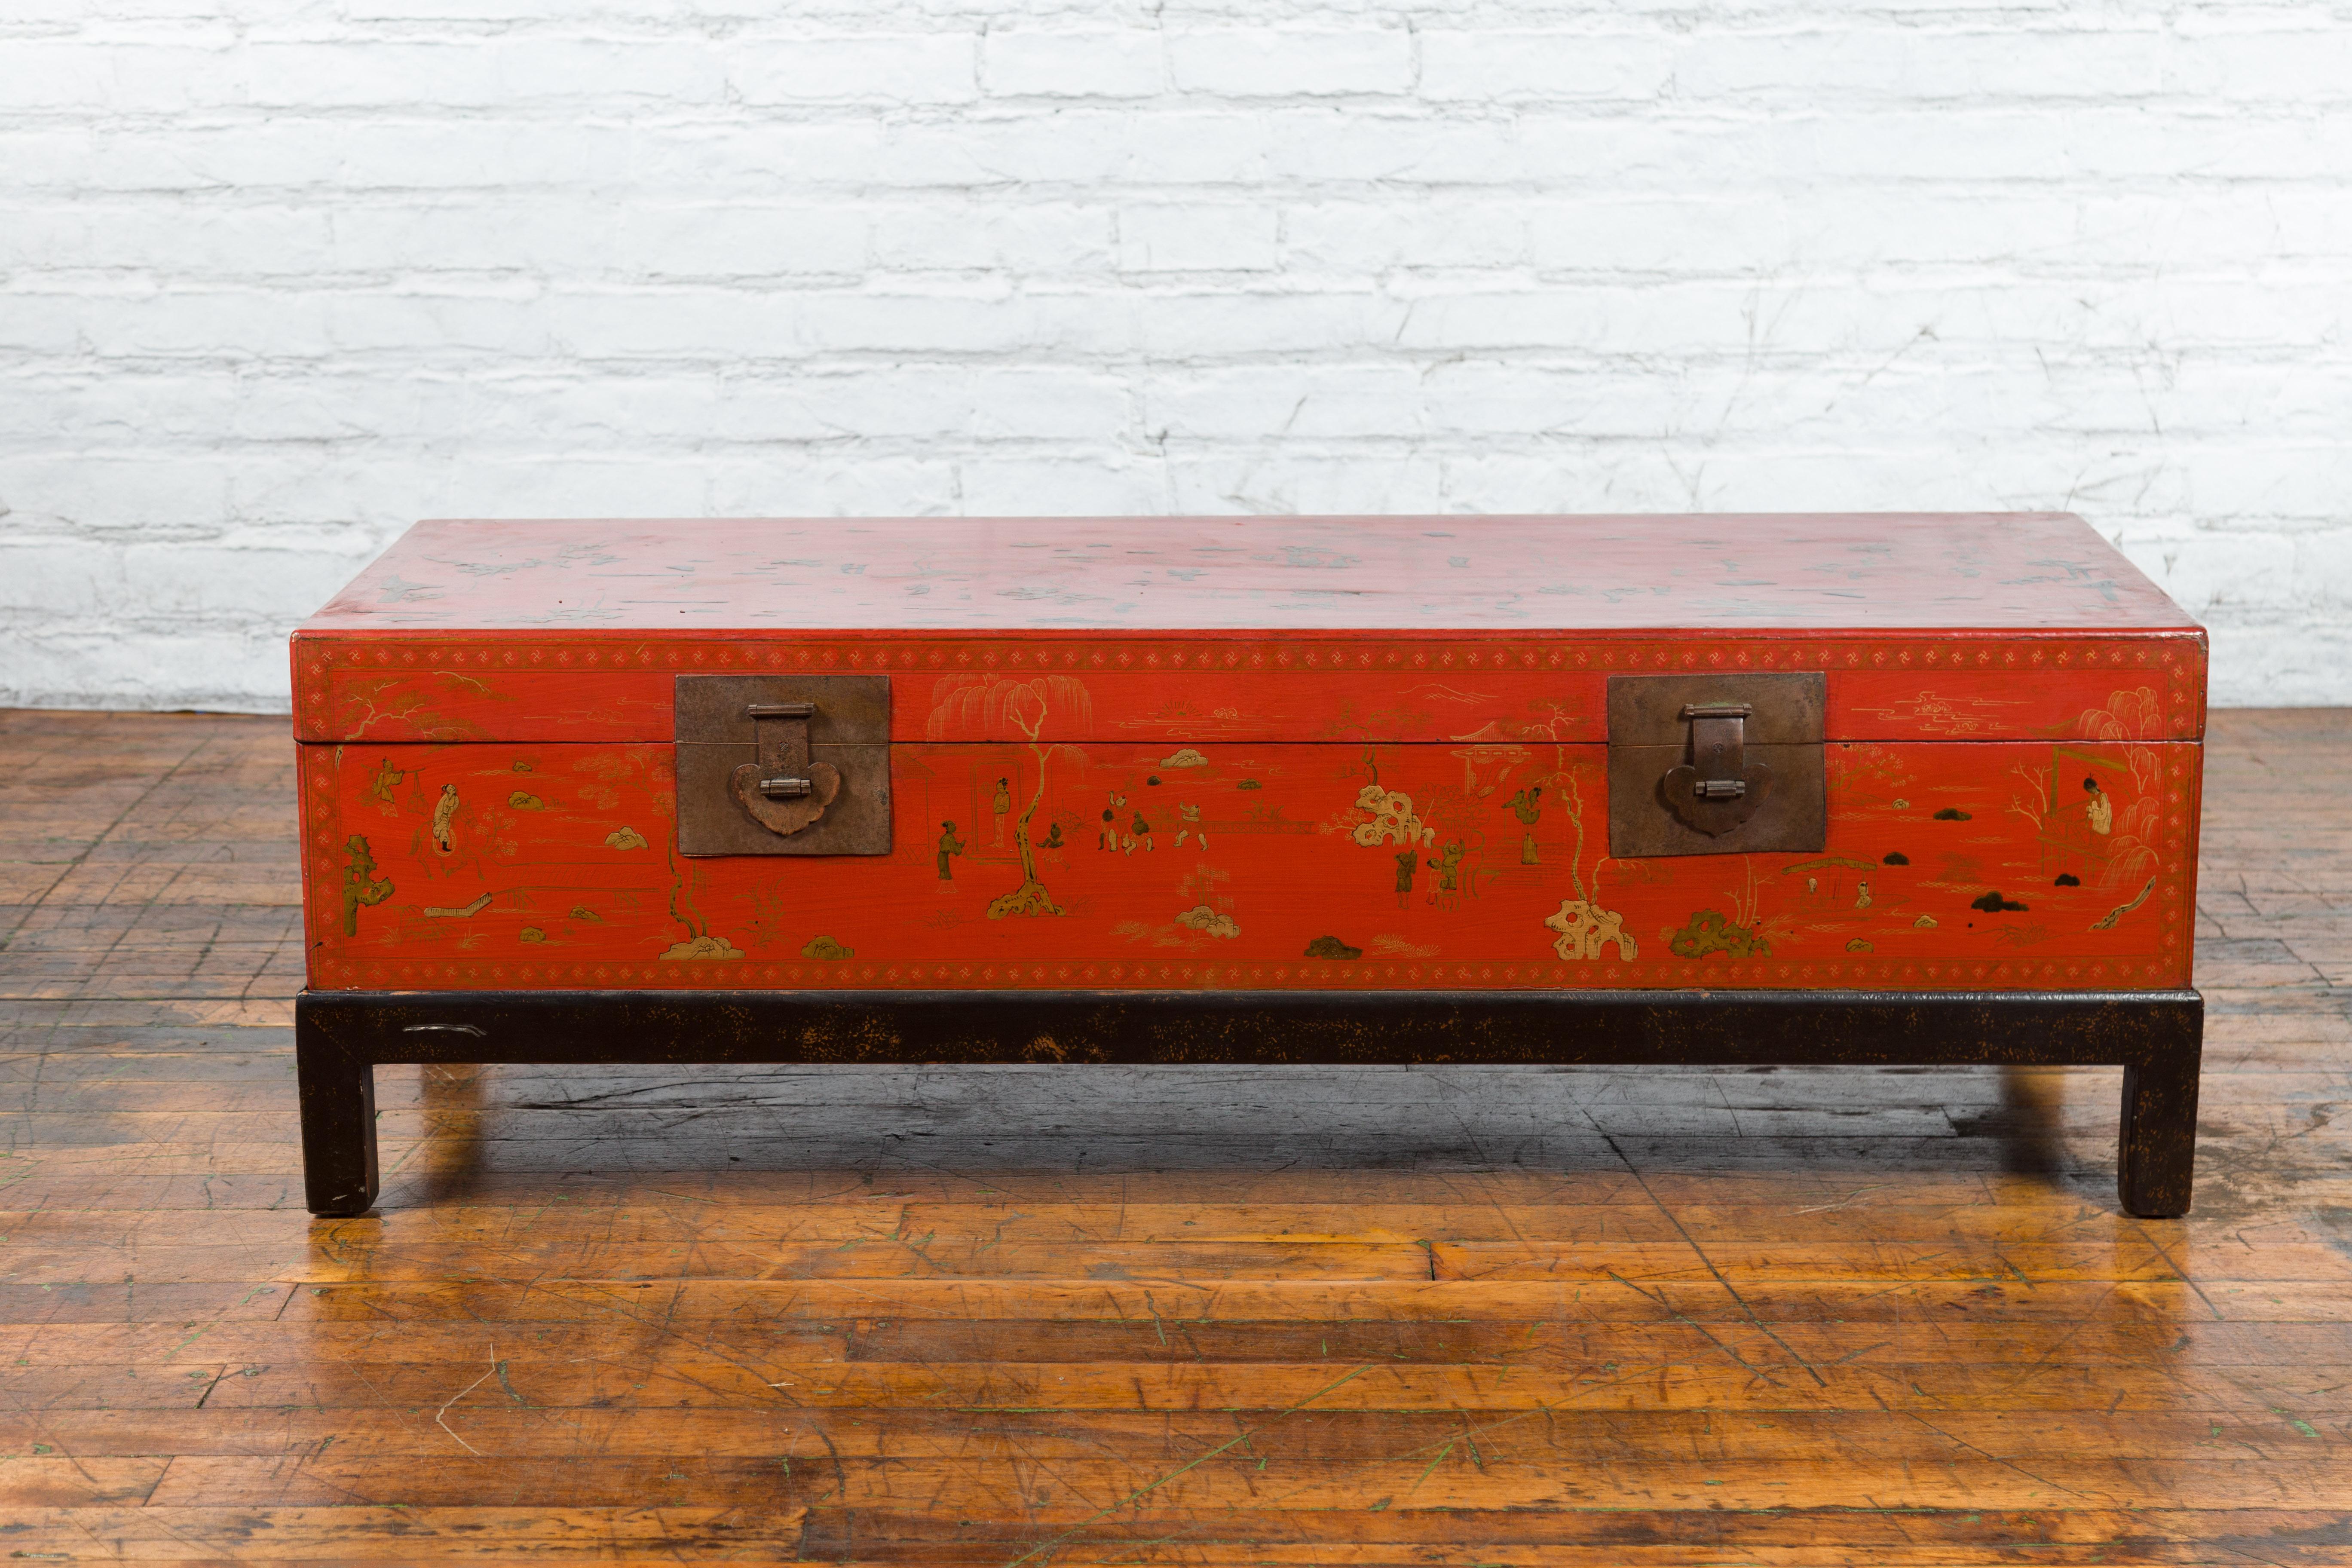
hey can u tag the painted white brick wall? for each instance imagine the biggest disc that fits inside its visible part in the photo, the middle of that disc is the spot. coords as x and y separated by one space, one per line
278 276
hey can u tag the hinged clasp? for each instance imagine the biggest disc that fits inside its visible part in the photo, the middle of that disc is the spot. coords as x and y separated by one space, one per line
1717 763
1720 748
783 764
783 748
1718 788
784 791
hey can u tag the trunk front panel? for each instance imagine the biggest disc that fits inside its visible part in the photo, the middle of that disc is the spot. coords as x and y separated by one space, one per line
1111 863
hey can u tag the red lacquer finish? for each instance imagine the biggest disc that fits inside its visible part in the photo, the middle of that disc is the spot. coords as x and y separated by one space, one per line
1252 752
1302 687
1020 576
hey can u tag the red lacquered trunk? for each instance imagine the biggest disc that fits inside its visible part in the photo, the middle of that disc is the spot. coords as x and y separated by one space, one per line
1322 753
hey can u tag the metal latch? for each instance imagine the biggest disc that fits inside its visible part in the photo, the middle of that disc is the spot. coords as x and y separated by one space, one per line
1714 764
783 764
784 790
1718 788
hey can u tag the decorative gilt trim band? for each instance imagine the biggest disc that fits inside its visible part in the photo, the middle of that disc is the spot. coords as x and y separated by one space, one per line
1063 974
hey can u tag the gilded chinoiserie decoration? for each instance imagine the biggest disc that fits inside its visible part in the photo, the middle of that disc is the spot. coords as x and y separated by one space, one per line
445 815
362 887
1392 819
1209 922
1709 931
458 912
1585 933
702 947
2107 922
1030 706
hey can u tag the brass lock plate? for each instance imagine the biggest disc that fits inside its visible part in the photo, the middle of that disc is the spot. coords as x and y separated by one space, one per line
783 764
1716 765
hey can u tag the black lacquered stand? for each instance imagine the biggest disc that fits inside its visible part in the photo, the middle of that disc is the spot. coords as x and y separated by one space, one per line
2157 1036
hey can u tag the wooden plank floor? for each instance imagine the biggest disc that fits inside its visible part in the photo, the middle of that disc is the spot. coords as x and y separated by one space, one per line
1026 1316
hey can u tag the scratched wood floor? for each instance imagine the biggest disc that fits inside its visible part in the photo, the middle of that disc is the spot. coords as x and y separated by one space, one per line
1030 1316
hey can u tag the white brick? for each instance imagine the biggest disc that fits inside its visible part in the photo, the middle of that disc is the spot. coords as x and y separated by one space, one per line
220 666
1270 62
2297 63
2084 143
67 73
476 73
1620 318
1041 238
2280 663
912 67
1574 479
37 323
2211 572
1221 323
832 482
406 322
1194 238
972 323
53 493
1833 64
1488 65
1534 149
238 576
278 276
644 239
739 241
924 405
51 73
1487 397
1383 481
476 12
1045 486
1691 234
230 239
2323 572
1287 403
1084 145
63 577
696 323
1041 405
588 483
2250 482
1352 235
1099 62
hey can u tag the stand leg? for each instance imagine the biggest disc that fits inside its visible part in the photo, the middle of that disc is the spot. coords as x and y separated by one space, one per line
339 1174
2157 1162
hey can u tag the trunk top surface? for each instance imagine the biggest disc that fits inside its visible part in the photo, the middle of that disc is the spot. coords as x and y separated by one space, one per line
1796 573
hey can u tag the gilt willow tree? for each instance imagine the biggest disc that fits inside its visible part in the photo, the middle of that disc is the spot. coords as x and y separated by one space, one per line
1028 705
